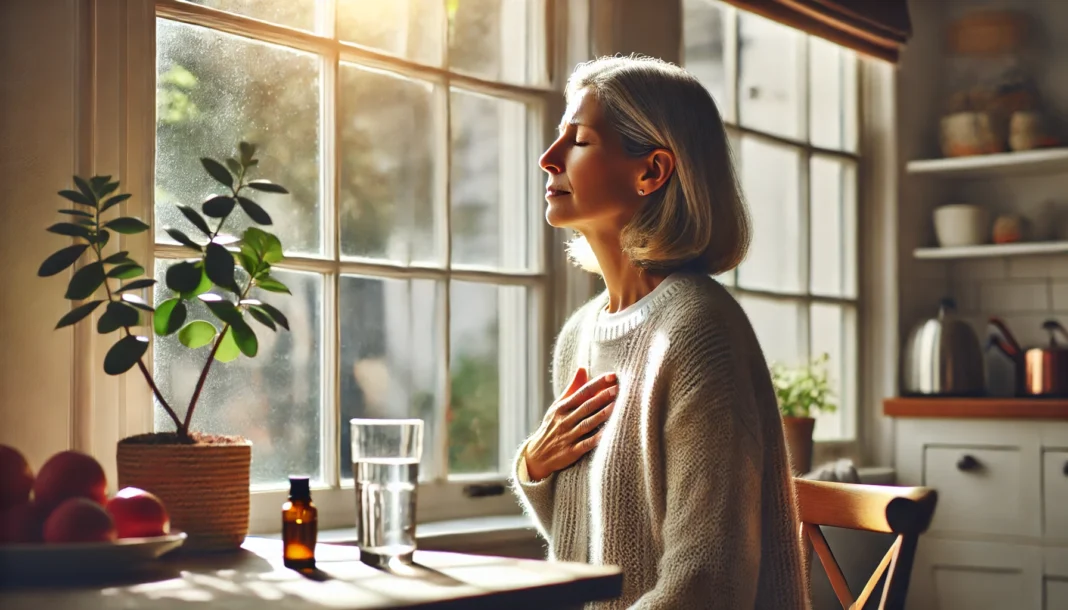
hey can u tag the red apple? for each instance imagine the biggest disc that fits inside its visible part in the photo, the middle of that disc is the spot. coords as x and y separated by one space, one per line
16 478
69 474
79 520
21 524
138 514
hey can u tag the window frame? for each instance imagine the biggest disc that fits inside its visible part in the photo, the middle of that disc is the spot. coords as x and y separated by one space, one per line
548 276
852 421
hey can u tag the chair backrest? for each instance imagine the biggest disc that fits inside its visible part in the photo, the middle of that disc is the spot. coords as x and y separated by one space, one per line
904 511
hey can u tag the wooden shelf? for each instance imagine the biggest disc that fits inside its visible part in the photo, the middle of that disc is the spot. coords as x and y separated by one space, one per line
976 408
993 250
1030 162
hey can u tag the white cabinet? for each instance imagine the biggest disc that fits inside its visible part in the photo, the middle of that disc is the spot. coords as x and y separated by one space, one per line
999 536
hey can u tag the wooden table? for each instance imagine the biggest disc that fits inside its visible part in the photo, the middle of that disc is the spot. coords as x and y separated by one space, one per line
255 579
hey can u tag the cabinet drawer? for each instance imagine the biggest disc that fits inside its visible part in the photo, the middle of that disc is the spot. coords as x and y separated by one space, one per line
980 489
1055 493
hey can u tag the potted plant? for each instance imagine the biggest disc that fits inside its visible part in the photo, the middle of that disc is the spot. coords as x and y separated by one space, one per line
203 479
802 391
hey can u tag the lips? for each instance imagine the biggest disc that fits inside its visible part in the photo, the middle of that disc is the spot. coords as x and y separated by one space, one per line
555 192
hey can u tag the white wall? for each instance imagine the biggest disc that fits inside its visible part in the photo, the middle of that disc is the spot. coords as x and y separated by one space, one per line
39 83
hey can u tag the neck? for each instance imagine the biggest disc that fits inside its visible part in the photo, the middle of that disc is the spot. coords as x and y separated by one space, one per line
626 283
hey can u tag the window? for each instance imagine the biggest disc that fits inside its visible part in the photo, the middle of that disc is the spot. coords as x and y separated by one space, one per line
407 134
790 103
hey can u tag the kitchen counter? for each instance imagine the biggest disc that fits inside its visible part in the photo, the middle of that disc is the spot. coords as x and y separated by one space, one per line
977 408
255 579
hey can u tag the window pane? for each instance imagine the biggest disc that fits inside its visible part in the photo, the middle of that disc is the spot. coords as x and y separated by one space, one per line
778 326
833 332
474 428
769 84
492 39
274 399
771 182
488 177
407 28
833 241
293 13
390 355
388 184
832 106
704 25
214 90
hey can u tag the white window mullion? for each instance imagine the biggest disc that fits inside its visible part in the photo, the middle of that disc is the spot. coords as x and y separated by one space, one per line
439 465
330 417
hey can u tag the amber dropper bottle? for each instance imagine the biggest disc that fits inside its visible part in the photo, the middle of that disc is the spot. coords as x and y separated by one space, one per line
300 526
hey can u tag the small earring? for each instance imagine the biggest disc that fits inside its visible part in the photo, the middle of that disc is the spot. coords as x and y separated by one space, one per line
641 192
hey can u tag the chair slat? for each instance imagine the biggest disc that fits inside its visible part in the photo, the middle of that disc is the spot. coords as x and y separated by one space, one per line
830 565
878 573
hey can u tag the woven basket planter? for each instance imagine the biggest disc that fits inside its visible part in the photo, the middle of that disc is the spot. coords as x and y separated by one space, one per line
205 488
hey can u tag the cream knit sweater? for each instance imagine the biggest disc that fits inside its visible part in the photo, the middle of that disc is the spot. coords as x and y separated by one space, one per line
689 491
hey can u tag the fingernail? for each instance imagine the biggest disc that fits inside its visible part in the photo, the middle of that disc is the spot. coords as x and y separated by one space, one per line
614 390
611 377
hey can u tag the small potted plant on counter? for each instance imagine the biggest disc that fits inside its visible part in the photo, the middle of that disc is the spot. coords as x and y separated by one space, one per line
802 392
203 479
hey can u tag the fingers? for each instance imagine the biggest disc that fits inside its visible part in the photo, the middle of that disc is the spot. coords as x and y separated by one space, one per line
587 445
593 421
588 391
580 379
594 405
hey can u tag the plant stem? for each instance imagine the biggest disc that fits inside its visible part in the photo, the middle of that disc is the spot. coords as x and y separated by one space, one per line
183 430
140 361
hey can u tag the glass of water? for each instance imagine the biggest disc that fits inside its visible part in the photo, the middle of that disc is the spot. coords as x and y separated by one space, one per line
385 463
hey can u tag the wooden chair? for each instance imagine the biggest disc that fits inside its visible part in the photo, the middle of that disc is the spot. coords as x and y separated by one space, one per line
905 511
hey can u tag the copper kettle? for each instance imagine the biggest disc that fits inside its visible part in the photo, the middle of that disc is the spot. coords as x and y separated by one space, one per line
1040 370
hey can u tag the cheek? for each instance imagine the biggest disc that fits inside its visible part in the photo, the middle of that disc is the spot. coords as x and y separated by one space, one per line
594 181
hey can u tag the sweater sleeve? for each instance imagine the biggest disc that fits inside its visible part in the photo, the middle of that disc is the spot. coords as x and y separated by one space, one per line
712 529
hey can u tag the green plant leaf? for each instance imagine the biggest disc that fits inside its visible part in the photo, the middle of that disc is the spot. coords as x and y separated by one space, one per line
85 281
217 171
276 315
137 302
267 187
86 191
117 315
272 253
248 262
102 237
233 166
76 197
272 285
136 285
114 201
245 338
228 350
170 315
197 334
70 229
97 182
204 285
78 213
119 257
219 206
127 225
256 239
61 260
183 239
124 354
183 277
247 152
106 189
262 317
222 308
126 271
219 264
195 218
254 211
76 314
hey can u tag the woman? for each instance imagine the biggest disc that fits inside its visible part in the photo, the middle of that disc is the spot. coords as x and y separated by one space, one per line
664 454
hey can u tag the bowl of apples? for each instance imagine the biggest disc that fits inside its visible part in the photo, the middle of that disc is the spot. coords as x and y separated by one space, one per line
62 521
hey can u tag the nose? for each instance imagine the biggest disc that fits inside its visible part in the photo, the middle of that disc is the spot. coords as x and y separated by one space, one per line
550 160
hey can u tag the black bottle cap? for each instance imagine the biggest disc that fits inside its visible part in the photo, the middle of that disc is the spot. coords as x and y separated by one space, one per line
299 488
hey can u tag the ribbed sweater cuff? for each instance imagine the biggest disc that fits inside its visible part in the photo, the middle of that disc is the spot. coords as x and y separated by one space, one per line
536 496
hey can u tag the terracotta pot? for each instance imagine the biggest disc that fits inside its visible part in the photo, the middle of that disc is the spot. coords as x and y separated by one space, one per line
205 487
799 442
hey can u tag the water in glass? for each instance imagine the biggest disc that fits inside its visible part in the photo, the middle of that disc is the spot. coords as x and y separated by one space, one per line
385 500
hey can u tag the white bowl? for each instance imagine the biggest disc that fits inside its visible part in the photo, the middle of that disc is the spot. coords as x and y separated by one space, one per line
961 224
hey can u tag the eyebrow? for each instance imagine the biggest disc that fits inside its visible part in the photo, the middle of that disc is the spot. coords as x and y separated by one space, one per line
574 122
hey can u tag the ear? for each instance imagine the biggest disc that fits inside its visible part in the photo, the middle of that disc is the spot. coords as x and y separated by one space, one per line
658 167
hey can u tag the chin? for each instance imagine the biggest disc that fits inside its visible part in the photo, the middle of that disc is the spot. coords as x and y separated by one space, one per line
559 216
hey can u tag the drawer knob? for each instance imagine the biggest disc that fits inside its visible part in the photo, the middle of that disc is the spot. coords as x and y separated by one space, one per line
967 463
1066 469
